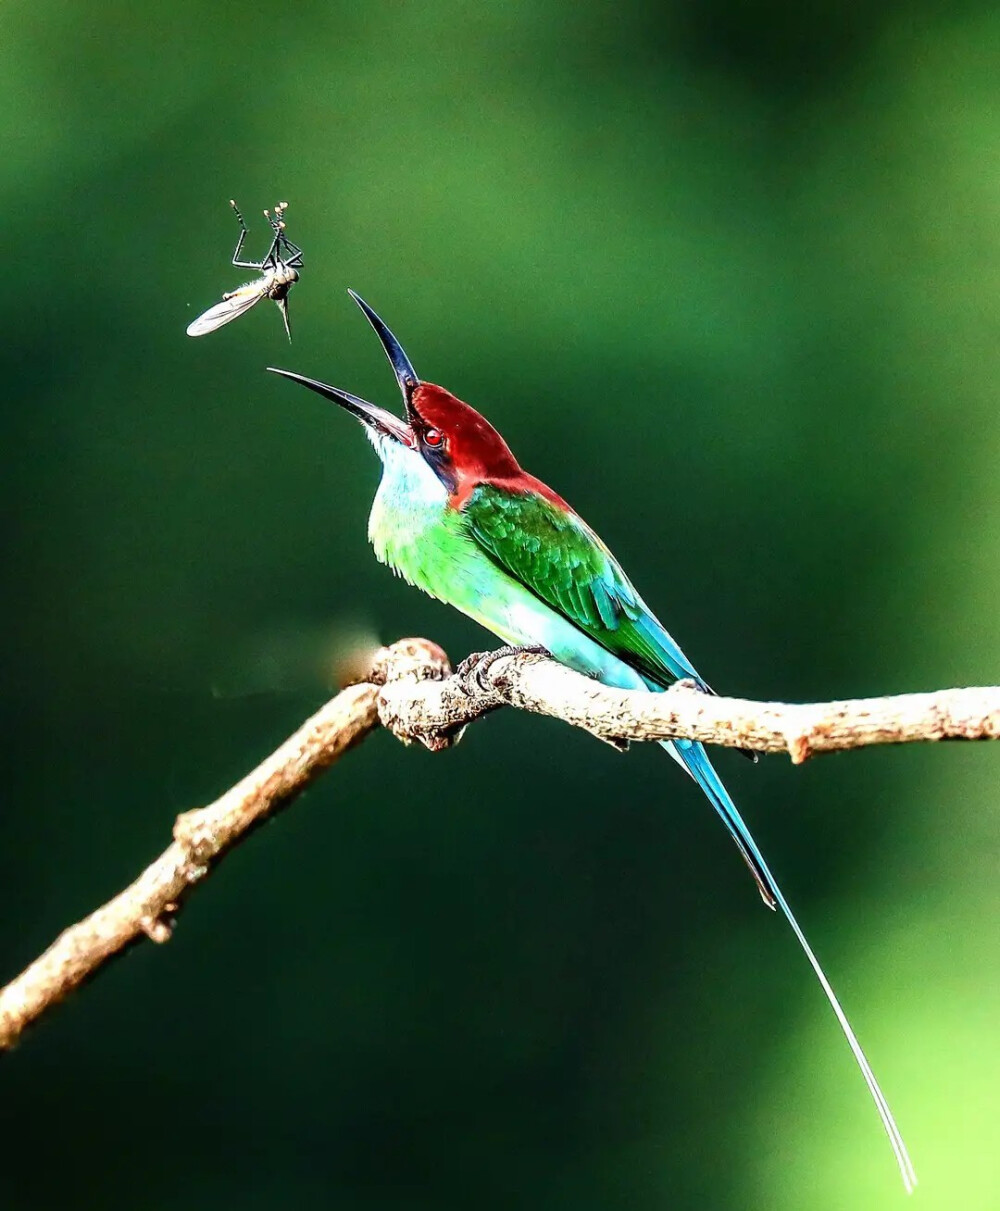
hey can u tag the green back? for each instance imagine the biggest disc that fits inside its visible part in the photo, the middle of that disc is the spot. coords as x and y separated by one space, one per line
556 555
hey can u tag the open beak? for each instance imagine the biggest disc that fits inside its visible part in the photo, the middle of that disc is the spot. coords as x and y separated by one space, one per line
370 415
373 417
401 365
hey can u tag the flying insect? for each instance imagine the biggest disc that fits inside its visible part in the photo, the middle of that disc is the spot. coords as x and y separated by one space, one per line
279 271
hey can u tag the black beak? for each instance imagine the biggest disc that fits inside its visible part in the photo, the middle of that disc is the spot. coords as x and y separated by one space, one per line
402 367
370 415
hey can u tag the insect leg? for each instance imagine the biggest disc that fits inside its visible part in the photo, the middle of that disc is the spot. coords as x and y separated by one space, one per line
294 258
270 261
239 243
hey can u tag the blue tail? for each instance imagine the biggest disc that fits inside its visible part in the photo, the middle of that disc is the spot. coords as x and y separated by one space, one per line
695 760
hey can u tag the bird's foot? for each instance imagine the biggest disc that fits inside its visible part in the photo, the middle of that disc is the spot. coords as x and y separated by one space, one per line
474 667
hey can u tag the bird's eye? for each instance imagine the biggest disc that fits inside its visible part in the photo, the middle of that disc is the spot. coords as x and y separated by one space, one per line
433 437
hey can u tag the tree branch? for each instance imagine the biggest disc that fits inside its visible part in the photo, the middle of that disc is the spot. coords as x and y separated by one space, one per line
412 692
430 713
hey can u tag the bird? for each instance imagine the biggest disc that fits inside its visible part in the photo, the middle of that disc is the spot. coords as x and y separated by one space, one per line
456 516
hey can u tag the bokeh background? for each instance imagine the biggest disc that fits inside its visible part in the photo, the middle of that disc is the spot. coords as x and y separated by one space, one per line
726 275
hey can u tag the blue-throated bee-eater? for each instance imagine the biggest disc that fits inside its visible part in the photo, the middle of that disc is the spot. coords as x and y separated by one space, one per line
456 516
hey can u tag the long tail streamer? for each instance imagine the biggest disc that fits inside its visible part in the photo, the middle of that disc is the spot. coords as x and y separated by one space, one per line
694 758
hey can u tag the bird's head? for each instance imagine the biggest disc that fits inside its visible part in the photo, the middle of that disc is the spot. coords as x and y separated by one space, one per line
457 443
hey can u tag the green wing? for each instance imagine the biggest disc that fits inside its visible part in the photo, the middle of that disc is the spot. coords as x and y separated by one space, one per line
561 560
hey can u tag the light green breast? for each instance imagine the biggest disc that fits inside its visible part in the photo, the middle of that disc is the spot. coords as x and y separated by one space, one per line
416 533
412 528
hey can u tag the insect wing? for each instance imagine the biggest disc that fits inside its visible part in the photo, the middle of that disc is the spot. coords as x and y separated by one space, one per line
229 309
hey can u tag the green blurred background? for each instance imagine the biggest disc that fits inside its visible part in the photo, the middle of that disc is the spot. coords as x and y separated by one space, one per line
726 275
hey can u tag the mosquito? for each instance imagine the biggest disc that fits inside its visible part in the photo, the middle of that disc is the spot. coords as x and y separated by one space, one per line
278 270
